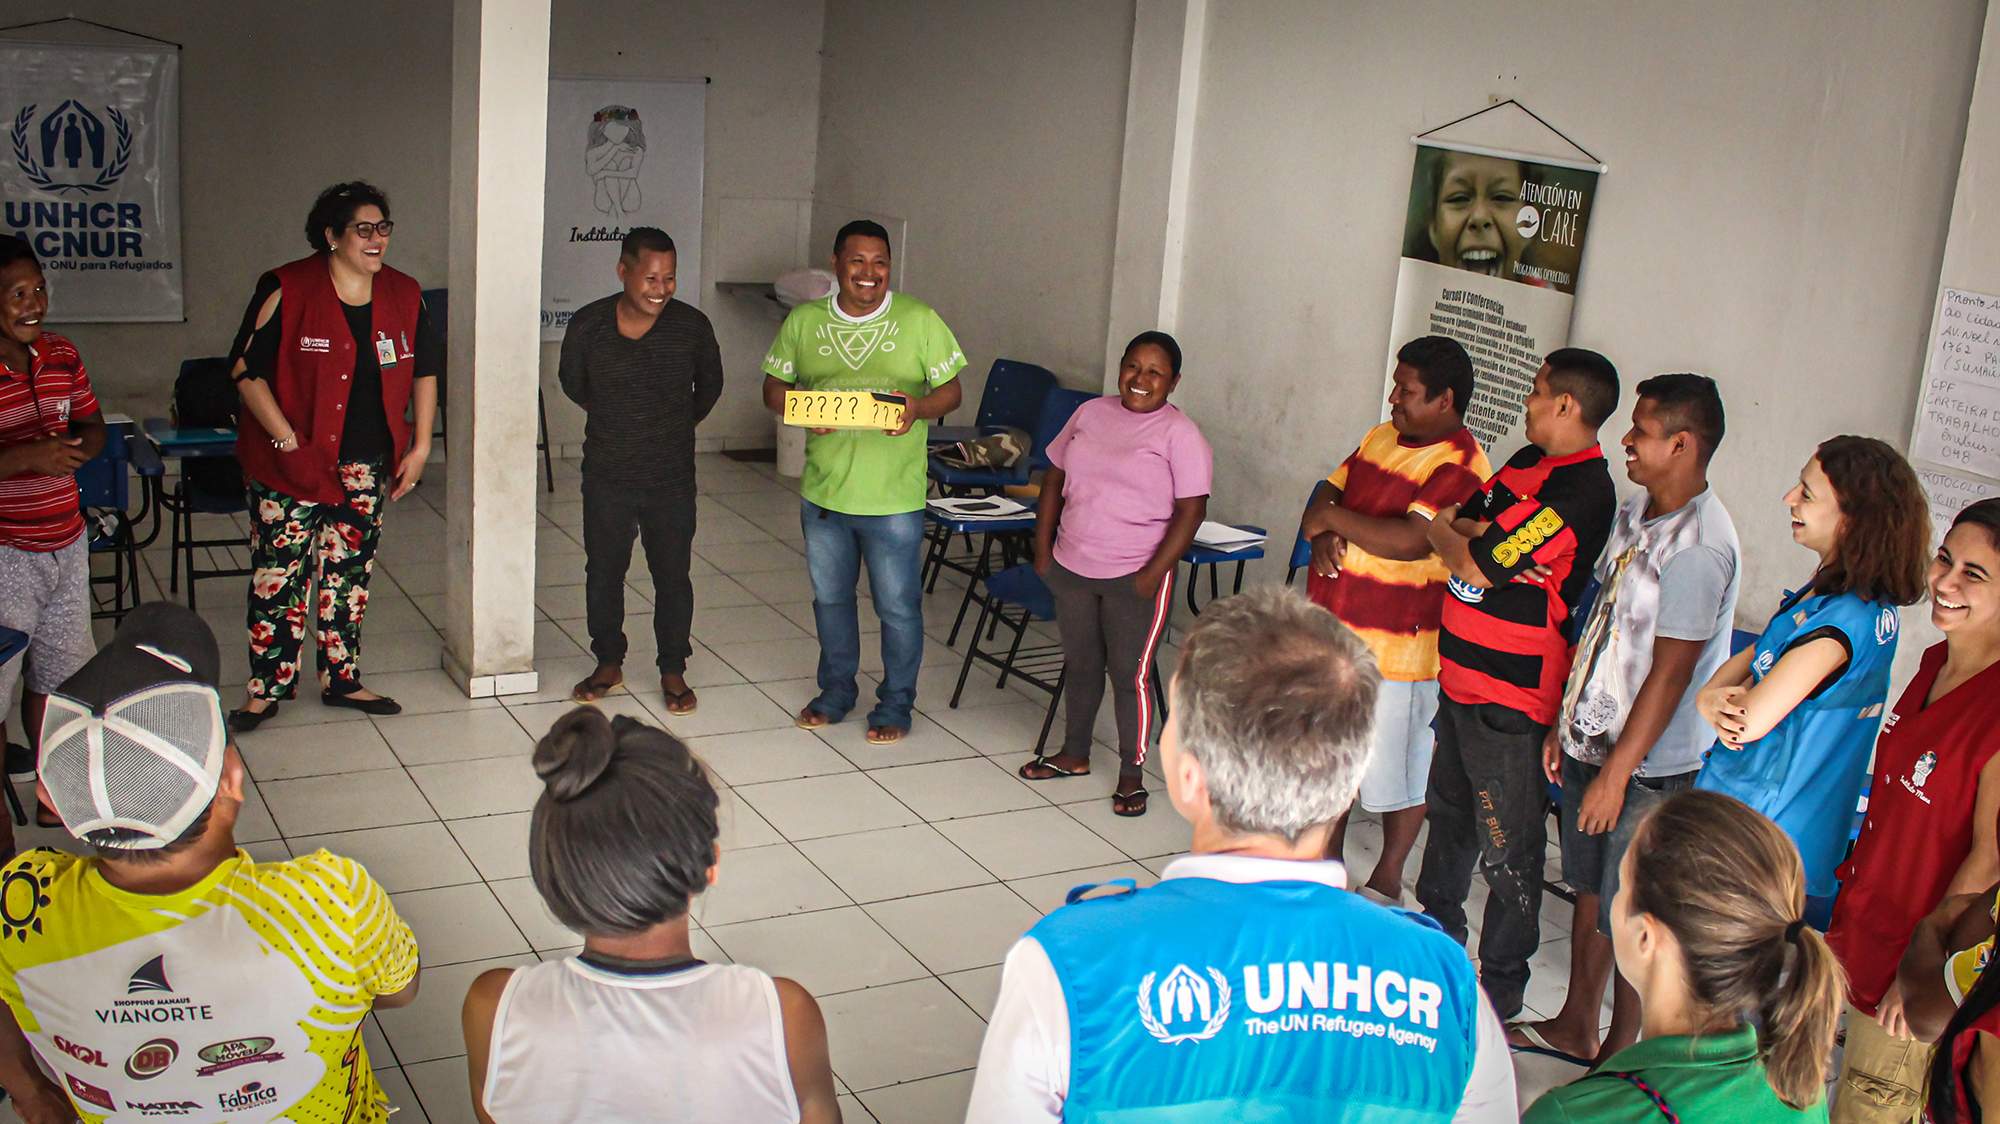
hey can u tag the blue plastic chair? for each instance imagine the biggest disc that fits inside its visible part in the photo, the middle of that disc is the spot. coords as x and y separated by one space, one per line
1057 406
1012 399
104 492
1198 556
1020 589
13 642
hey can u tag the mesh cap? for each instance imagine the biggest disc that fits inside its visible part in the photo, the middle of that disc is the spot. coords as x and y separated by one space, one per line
135 739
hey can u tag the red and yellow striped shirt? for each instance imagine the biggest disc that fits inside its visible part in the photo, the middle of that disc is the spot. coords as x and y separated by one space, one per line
1393 605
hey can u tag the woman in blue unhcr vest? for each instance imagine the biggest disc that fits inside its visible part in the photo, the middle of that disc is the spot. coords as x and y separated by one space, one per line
1797 711
1249 984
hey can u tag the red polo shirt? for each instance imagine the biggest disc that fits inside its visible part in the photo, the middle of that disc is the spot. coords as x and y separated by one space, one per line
39 512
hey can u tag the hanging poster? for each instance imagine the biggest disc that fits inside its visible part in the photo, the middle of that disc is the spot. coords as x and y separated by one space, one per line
91 175
1492 246
622 153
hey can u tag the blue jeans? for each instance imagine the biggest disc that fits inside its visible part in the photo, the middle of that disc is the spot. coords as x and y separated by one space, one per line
893 546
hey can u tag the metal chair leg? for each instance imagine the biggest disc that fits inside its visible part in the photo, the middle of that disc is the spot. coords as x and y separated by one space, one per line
971 653
542 424
1049 719
1013 650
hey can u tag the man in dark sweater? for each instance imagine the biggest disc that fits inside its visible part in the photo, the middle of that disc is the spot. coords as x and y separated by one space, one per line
647 370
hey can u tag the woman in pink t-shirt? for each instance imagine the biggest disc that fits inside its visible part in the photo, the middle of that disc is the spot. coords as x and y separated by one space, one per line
1127 486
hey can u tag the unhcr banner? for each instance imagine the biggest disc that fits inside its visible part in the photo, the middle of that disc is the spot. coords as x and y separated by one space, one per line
1492 243
91 174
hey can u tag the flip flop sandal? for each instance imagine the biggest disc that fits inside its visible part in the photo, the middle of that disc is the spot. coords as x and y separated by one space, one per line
886 735
592 688
1538 1044
1055 771
1129 804
680 704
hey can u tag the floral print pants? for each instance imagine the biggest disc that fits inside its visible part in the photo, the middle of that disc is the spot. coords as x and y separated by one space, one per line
295 545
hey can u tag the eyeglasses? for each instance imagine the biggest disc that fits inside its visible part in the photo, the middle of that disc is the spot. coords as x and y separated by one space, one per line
371 229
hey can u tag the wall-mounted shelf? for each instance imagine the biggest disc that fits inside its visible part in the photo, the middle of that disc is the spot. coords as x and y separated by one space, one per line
763 292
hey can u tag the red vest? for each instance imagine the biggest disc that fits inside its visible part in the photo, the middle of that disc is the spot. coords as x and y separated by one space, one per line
1919 824
315 372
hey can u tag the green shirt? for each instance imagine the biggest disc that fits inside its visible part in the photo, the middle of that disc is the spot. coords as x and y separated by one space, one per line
1714 1077
904 348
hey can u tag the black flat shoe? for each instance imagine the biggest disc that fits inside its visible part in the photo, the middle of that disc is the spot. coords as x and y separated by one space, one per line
244 721
379 706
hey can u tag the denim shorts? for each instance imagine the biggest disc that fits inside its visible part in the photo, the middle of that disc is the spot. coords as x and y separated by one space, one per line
1399 763
1590 862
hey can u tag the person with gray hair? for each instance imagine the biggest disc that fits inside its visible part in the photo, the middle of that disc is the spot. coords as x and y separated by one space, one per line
635 1027
1249 982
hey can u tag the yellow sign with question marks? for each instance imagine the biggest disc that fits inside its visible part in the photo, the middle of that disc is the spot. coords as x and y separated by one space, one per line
843 409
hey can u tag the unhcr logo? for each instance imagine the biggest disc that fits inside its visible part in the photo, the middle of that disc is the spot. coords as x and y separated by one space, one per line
1188 1008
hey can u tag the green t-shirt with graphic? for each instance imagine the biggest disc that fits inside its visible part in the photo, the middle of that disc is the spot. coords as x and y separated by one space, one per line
904 348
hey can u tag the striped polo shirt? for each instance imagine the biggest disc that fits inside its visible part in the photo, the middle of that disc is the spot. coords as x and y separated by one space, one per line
39 512
1509 644
1394 605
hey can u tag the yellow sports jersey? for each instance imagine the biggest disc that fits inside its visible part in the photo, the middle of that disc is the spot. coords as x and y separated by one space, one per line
1963 968
240 998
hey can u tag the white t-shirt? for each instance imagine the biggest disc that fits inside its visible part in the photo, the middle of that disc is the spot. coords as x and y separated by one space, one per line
700 1045
1023 1075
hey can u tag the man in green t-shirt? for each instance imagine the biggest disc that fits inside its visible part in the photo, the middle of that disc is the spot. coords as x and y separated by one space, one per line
863 493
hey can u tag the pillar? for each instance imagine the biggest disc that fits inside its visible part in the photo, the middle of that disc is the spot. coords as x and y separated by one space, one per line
499 132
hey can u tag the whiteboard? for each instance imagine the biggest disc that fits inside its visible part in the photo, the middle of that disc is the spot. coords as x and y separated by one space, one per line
1955 442
1958 414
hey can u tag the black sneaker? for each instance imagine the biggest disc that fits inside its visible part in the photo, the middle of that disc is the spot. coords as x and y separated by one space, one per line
20 763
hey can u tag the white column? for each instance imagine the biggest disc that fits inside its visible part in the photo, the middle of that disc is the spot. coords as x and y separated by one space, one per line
1161 99
499 130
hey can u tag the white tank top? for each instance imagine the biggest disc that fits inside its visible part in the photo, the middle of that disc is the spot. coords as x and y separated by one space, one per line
573 1042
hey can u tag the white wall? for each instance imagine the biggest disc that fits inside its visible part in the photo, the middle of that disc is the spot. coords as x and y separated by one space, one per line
280 100
1781 175
1971 260
996 131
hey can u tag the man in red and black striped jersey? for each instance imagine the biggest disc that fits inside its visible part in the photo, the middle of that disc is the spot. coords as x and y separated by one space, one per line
49 425
1520 553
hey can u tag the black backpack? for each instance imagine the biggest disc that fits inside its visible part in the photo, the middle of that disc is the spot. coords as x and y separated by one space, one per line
205 398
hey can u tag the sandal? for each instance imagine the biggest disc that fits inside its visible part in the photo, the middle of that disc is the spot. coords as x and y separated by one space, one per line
1044 768
596 685
810 719
885 735
1129 804
680 704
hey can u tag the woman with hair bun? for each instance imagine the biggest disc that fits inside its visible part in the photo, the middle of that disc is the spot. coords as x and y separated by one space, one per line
1741 996
635 1027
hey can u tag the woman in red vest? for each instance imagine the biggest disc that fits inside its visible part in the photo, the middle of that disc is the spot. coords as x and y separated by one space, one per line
335 355
1929 832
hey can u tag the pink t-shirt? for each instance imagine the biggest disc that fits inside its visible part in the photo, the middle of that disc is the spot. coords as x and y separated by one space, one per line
1122 473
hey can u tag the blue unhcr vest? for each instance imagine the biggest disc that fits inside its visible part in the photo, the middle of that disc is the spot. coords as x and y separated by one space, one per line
1260 1003
1809 772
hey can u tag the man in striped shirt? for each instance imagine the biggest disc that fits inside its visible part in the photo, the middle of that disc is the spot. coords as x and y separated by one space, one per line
1374 569
49 425
1520 554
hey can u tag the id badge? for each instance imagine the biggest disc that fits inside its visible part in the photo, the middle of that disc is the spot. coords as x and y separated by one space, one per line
385 351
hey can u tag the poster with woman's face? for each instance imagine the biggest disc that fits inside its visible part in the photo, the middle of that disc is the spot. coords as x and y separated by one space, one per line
1498 216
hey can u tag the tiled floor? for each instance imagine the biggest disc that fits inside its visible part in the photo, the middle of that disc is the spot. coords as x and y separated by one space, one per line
889 881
